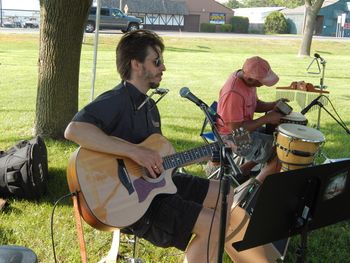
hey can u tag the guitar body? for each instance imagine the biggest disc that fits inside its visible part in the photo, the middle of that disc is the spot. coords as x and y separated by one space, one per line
114 191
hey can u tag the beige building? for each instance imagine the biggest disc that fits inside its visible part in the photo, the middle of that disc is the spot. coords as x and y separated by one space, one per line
186 15
207 11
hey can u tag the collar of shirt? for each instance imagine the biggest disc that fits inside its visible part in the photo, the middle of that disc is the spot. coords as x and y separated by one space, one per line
136 96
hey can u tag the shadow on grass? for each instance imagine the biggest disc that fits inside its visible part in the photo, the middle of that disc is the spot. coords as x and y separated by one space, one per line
323 52
175 49
57 187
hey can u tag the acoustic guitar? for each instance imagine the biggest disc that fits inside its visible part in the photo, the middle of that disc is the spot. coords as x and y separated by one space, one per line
114 191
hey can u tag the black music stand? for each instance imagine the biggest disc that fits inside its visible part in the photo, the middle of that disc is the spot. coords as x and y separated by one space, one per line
296 202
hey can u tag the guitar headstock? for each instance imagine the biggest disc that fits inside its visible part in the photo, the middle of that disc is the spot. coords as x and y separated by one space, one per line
241 138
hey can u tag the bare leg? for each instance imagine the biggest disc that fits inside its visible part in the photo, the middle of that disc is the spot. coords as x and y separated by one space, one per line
238 224
237 220
274 166
198 250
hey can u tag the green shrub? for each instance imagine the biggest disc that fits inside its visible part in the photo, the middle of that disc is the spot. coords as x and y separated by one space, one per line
207 27
255 31
225 28
240 24
276 23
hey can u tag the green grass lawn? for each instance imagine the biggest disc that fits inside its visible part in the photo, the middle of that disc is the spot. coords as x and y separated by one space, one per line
198 63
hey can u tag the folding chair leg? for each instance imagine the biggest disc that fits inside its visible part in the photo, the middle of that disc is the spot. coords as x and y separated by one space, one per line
80 231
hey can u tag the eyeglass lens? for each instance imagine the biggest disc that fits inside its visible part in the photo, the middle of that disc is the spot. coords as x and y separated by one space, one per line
158 62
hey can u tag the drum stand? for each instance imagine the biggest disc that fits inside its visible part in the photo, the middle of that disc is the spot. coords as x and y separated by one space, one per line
228 169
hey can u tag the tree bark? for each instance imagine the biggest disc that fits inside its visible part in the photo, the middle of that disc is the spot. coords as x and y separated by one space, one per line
61 34
311 11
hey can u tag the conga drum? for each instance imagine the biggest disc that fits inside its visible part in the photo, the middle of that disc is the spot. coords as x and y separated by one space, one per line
297 145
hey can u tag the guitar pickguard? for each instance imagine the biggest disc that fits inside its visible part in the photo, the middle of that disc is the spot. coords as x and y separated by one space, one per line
143 187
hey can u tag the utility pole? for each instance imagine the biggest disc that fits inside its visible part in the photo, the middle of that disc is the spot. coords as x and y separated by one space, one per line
120 4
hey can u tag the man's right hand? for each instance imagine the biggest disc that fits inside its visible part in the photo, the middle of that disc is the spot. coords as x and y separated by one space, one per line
273 117
149 159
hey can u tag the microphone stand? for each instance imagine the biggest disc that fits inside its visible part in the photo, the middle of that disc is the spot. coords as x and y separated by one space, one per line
323 63
320 104
227 167
322 86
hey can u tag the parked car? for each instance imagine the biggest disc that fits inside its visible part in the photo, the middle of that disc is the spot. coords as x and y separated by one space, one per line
31 24
112 18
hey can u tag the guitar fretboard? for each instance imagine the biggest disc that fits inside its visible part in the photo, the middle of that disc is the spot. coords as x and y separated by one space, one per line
183 158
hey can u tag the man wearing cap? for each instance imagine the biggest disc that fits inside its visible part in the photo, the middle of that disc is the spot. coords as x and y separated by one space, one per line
238 101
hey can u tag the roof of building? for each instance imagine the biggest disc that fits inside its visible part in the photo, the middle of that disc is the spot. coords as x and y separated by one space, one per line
175 7
258 9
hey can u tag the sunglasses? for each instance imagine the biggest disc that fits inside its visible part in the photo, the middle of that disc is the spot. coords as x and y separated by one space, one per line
158 62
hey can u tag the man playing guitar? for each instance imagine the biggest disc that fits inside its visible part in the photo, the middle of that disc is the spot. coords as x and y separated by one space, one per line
115 125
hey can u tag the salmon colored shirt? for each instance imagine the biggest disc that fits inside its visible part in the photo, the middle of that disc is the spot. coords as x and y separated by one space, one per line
237 103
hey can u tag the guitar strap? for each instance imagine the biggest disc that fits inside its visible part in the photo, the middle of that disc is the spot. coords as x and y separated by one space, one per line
80 232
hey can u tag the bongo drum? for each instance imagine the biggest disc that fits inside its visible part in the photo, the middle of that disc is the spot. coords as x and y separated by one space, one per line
297 145
294 117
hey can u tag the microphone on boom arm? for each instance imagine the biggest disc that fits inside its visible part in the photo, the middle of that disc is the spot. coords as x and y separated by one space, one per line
186 93
313 103
317 56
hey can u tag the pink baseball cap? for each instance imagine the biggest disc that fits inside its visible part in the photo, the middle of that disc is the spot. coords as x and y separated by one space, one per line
260 70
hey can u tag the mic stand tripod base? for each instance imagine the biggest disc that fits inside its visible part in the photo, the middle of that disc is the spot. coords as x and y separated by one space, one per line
226 161
226 171
224 189
302 248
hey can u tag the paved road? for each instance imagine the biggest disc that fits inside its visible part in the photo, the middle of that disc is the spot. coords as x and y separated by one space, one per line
189 34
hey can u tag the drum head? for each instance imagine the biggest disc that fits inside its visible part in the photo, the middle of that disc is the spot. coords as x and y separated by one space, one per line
295 116
301 132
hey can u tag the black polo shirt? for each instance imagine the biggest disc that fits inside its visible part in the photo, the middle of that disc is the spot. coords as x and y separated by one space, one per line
115 112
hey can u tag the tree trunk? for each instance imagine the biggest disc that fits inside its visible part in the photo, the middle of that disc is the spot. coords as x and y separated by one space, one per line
61 34
311 11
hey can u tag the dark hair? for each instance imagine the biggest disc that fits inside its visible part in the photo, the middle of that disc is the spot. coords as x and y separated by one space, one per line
133 45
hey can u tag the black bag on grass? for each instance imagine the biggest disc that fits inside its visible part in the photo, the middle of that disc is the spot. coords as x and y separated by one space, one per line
23 169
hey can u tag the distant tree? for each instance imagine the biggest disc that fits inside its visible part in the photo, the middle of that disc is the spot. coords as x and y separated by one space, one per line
289 3
233 4
258 3
267 3
276 23
311 10
61 34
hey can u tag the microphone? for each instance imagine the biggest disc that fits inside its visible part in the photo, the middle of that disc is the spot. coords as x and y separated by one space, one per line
308 107
186 93
316 55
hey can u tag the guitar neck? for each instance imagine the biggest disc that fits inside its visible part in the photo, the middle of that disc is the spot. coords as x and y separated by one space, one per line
187 157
